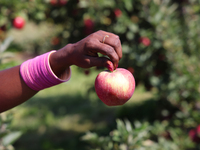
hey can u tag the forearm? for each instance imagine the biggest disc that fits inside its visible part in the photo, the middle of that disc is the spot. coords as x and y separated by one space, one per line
13 90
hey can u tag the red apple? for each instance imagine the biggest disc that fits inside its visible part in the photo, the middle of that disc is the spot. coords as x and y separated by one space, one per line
117 12
19 22
145 41
198 130
54 2
89 26
194 134
62 2
115 87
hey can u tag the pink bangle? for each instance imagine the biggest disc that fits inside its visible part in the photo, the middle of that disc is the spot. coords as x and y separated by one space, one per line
38 75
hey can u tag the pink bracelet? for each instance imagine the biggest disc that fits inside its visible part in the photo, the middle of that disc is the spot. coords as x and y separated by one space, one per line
38 75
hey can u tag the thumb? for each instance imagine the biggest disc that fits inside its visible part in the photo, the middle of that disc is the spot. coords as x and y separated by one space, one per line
102 61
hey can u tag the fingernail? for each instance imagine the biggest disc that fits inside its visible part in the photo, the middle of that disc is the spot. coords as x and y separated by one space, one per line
110 66
117 66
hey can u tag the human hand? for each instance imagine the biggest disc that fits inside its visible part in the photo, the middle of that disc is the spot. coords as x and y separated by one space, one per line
84 53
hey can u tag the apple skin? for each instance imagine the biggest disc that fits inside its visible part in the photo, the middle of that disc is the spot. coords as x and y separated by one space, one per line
116 87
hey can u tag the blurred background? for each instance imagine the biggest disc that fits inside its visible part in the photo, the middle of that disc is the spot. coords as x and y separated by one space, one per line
160 41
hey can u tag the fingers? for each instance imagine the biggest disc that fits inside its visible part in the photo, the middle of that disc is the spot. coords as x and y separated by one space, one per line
99 62
107 44
107 50
112 40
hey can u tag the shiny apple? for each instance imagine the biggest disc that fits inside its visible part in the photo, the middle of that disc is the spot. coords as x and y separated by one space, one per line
19 22
115 87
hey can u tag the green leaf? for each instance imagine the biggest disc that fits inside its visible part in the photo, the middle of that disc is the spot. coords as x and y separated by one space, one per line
120 125
11 138
90 136
128 4
128 126
133 27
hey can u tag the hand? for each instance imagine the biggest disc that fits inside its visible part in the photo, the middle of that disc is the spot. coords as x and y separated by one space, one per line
85 52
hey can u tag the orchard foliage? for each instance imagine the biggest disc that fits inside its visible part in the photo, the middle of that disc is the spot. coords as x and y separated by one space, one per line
137 135
7 136
160 40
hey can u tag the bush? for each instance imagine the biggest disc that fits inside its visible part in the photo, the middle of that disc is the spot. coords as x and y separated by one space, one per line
138 136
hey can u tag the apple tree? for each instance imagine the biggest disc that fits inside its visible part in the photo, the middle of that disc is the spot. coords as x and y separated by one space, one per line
161 48
159 40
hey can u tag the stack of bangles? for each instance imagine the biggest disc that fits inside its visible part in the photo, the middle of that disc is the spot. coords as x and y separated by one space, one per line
38 75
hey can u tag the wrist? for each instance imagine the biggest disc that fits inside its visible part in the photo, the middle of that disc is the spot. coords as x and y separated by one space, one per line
60 61
38 74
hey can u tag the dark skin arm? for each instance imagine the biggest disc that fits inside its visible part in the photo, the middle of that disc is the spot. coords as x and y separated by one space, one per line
14 91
